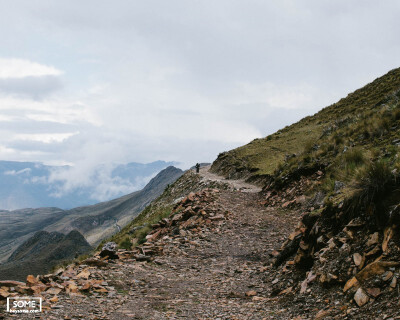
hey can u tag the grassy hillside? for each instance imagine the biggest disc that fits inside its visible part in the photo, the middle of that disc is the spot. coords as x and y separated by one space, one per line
18 226
40 253
365 118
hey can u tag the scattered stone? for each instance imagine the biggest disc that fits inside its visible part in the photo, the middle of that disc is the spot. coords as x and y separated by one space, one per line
387 276
31 280
393 284
350 283
357 259
375 268
322 314
388 234
142 257
338 185
10 283
251 293
95 262
4 293
374 292
373 239
374 251
109 250
211 252
84 274
361 298
310 278
53 291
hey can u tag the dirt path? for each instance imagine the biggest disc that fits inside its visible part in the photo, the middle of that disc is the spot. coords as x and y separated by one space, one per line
237 184
218 273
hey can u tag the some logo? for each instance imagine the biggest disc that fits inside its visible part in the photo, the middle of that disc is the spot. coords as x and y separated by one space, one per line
24 305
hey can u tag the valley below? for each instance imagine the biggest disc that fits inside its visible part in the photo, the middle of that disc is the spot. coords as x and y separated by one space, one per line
95 223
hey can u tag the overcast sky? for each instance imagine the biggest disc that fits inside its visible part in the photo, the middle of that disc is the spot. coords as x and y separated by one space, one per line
87 82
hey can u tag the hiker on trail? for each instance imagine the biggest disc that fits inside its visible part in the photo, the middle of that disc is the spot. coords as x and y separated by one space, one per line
197 167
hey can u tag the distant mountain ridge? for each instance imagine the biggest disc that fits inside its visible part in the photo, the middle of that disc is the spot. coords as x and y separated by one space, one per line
95 222
34 185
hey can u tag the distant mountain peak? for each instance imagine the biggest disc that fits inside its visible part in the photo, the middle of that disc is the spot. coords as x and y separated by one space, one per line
33 184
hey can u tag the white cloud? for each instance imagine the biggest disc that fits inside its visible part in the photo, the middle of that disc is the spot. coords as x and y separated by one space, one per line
20 68
45 137
24 78
15 173
36 179
96 178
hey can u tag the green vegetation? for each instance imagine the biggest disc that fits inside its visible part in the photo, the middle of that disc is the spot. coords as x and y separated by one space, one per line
376 192
355 143
135 232
341 138
353 158
260 157
43 252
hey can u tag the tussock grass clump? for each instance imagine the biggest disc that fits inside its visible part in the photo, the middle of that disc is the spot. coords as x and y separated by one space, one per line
328 184
374 181
338 139
375 186
125 243
353 158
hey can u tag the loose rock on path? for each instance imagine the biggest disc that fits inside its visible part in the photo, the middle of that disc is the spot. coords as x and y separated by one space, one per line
215 270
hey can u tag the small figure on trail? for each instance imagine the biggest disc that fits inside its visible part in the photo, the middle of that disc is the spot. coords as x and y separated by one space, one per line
197 167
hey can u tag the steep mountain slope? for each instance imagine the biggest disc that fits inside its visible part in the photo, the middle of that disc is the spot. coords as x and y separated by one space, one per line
17 226
43 251
258 160
94 222
33 185
104 219
341 168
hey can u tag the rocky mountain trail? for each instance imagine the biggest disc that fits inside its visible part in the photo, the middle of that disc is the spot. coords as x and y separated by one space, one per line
237 184
208 260
215 257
